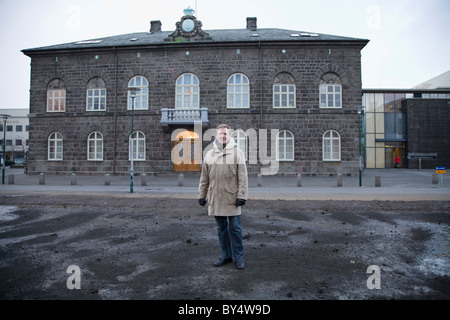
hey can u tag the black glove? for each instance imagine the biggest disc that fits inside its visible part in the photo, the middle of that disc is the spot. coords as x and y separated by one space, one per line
202 202
240 202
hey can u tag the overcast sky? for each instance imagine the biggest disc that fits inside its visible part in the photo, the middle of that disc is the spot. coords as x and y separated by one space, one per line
409 39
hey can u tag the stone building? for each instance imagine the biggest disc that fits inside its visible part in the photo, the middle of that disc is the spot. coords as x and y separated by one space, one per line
298 90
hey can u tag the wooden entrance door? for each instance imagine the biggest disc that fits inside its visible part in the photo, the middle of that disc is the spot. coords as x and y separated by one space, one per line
187 152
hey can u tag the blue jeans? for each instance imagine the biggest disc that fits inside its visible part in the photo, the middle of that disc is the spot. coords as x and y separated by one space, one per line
230 237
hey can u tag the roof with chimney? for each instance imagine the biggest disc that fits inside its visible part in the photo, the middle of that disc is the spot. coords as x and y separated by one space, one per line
156 37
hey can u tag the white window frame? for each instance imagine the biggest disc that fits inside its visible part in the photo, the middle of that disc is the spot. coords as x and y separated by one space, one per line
331 146
330 91
138 146
96 99
284 96
56 100
95 143
330 96
187 92
55 147
284 138
238 91
240 138
141 99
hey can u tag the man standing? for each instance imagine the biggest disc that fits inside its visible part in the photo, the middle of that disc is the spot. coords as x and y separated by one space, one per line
224 185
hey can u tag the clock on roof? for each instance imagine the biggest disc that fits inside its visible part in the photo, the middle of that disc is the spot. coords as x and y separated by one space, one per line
188 25
188 28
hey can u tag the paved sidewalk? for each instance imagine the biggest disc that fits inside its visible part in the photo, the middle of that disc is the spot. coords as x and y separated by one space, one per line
396 184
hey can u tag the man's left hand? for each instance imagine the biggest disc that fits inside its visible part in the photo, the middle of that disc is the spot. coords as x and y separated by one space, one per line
240 202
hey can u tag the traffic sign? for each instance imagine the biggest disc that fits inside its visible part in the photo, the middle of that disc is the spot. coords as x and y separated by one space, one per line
440 170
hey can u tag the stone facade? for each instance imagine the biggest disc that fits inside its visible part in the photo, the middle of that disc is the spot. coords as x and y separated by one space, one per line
213 62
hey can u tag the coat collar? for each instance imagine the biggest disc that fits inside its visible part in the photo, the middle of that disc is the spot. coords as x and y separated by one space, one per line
230 146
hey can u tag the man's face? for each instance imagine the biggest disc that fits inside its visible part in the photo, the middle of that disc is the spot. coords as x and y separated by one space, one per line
223 135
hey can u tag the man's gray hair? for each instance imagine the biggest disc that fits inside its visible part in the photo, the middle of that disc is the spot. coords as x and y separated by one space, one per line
220 126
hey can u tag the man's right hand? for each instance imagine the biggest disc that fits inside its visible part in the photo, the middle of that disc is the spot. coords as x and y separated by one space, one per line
202 202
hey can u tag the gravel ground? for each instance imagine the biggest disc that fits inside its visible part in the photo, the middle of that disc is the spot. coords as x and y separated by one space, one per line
157 248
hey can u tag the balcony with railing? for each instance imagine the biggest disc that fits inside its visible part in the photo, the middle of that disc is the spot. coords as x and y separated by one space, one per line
184 116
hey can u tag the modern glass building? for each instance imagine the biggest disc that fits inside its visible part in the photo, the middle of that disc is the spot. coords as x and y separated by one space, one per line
385 125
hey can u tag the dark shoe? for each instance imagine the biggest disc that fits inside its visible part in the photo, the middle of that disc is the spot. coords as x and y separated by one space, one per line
222 262
239 264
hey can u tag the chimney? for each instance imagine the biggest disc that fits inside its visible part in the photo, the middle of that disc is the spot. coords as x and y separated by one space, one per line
251 24
155 26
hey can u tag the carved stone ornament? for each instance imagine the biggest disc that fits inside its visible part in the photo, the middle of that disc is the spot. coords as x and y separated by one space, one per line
330 78
188 29
284 78
56 84
95 83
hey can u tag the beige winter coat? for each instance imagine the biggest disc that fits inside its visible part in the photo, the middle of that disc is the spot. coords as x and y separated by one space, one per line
223 180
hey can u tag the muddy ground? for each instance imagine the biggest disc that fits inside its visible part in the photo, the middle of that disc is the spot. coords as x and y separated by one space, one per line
163 248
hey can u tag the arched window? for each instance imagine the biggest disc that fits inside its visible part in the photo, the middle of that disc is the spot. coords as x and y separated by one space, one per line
56 96
284 95
285 146
138 148
95 146
238 89
240 138
55 146
96 95
330 91
187 92
331 146
141 100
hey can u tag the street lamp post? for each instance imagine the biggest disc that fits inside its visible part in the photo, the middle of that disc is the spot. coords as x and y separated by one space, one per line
5 117
359 133
132 91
